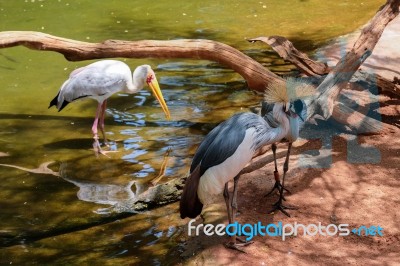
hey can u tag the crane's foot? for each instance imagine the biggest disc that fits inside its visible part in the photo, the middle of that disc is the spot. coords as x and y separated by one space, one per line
278 187
278 206
238 246
244 241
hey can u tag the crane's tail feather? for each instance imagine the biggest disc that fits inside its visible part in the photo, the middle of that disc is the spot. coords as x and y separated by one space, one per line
190 205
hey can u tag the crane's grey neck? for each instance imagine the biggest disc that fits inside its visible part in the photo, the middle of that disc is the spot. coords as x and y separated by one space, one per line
278 125
290 125
280 116
139 78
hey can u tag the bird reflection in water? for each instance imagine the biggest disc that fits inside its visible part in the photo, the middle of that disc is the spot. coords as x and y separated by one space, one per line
116 194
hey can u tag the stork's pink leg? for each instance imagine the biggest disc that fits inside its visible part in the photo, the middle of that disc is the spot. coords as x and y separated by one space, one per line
101 120
96 143
96 122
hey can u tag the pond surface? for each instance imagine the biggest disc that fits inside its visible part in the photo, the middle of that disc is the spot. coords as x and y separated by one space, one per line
199 95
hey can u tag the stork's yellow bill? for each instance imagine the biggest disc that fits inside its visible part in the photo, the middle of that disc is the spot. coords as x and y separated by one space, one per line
153 84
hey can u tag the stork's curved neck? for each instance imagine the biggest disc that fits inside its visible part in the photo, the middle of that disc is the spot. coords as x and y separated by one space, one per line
137 79
138 84
134 85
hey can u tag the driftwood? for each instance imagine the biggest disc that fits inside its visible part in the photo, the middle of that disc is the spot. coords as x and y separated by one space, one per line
310 67
254 73
326 103
336 80
287 51
384 84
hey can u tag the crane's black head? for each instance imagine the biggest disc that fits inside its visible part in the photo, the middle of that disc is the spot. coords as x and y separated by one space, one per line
298 106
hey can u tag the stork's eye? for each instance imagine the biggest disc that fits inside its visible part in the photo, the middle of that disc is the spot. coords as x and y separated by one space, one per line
149 78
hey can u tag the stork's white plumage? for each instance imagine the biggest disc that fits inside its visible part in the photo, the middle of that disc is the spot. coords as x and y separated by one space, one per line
102 79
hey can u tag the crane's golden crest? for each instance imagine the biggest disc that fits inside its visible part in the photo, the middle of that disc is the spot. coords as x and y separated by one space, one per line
288 91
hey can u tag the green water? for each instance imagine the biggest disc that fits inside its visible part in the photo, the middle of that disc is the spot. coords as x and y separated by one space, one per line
199 94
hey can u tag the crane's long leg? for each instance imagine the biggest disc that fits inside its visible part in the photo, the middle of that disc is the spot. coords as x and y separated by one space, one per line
278 205
234 202
232 209
277 185
227 202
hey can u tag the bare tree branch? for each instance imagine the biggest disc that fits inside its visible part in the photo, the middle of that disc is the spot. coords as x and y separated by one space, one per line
254 73
333 84
309 67
257 77
326 103
287 51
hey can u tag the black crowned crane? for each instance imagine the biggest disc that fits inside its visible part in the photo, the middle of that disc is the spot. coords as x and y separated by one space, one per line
230 146
99 81
267 113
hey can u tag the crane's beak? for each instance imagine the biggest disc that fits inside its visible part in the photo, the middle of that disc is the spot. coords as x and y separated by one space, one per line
299 115
153 84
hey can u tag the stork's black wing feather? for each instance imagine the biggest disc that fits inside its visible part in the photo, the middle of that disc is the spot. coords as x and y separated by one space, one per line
54 101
